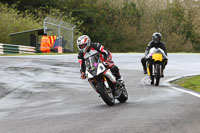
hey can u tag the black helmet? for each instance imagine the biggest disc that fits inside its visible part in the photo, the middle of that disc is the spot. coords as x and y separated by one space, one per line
156 37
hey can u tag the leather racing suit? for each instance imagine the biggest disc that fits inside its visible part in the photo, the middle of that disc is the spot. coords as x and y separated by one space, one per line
105 56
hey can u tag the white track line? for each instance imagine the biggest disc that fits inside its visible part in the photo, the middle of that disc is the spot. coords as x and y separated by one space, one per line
182 90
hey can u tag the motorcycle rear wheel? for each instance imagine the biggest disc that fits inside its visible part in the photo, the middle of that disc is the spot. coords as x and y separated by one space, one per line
124 96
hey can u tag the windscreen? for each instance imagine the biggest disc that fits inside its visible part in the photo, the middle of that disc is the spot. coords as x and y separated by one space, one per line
92 62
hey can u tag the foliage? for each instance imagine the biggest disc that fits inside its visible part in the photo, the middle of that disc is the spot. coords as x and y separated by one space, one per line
112 26
177 23
120 25
13 20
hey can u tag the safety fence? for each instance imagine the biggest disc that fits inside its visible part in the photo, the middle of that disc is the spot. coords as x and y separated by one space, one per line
15 49
64 32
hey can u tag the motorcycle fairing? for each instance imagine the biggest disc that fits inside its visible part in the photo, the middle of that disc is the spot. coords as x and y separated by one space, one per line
156 50
88 75
109 74
157 57
101 68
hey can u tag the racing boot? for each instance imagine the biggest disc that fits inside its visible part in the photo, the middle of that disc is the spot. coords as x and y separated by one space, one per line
119 84
120 81
119 78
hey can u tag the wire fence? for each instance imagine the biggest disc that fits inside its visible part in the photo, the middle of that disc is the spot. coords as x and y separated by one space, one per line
64 32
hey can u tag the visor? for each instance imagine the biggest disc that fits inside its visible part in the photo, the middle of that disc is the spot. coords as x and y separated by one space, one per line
156 40
82 46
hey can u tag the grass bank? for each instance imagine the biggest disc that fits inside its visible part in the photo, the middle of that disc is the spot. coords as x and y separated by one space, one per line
192 83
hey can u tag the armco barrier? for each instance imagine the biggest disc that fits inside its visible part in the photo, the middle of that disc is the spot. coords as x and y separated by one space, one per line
15 49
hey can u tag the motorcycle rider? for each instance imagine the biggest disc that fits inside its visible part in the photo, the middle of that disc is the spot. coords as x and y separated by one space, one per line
85 45
155 42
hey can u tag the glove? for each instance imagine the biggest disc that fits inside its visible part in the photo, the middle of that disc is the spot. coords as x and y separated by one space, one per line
83 75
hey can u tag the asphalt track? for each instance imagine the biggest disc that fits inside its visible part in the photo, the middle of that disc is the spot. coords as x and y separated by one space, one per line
44 94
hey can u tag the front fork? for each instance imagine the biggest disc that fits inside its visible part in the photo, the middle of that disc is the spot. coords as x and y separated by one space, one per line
151 69
93 83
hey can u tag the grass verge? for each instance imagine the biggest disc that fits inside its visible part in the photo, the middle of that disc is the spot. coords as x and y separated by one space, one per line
192 83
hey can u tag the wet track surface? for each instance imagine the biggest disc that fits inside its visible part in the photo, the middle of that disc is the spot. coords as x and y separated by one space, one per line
44 94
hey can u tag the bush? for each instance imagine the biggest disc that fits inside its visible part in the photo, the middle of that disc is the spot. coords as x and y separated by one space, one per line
14 21
122 26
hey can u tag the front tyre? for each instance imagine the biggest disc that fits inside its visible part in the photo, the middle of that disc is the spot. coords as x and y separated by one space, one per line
124 96
152 79
157 74
151 73
105 94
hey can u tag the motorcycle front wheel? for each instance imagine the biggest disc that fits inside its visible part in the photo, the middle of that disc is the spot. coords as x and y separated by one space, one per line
157 74
105 94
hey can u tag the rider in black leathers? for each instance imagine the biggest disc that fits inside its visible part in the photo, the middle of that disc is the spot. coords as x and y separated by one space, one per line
156 42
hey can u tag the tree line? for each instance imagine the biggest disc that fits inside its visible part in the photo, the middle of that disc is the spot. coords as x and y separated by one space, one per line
120 25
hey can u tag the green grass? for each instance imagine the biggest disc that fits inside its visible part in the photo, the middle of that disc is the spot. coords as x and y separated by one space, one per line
192 83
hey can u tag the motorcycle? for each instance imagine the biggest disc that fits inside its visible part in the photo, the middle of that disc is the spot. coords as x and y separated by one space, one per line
103 81
155 64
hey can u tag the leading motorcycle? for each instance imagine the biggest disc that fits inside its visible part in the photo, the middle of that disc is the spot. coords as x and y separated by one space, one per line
103 81
155 64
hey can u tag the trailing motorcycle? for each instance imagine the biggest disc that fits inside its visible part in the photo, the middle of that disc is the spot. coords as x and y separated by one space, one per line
155 64
103 81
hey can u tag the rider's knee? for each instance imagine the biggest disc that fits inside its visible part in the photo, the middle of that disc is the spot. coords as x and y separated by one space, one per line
114 69
142 60
165 62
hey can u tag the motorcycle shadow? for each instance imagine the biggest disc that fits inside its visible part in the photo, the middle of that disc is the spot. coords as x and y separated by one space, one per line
117 104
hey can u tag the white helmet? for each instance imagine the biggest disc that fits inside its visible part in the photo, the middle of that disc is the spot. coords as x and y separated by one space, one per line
83 43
